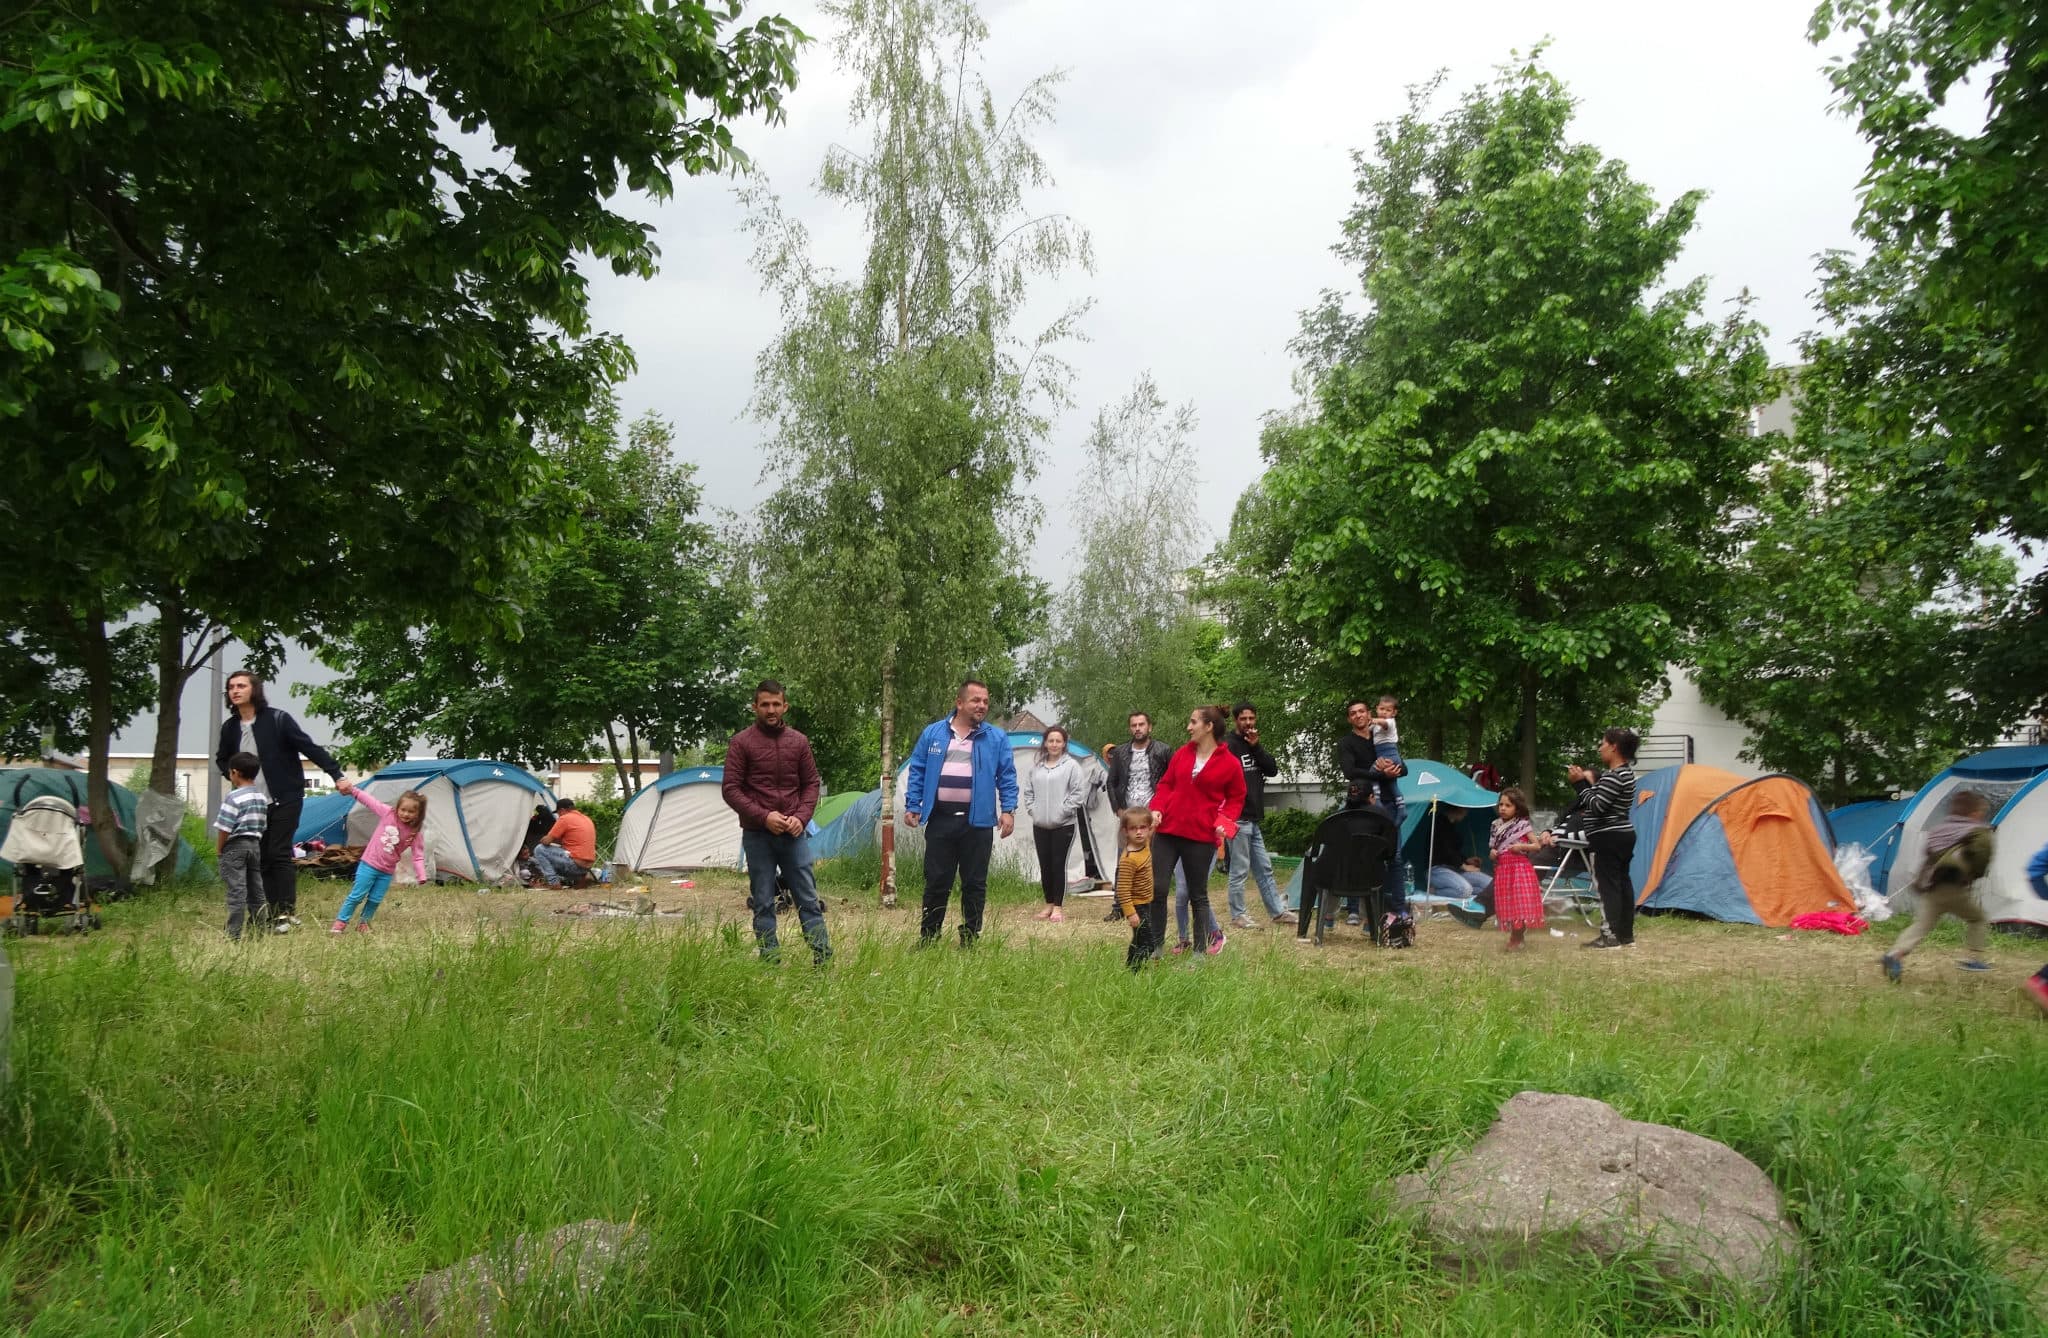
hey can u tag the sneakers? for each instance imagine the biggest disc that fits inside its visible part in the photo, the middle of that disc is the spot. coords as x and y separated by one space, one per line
1112 916
282 925
340 927
1182 946
1351 917
292 920
363 927
1242 922
1472 917
1893 967
1976 964
1283 919
1216 944
1607 940
2035 988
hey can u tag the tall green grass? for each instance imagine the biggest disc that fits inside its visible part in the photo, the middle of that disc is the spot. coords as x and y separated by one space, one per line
1018 1138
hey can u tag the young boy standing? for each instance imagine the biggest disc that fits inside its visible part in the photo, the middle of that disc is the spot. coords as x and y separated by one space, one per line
1141 907
238 841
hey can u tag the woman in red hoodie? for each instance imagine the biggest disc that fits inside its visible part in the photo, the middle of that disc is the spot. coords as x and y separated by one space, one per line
1197 801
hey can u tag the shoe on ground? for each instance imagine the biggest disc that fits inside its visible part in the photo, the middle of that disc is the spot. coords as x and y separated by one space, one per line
1216 944
1112 916
281 926
2036 989
294 920
1469 916
1602 940
1893 967
1977 964
1242 922
1304 941
363 927
1181 947
1351 917
339 927
1283 919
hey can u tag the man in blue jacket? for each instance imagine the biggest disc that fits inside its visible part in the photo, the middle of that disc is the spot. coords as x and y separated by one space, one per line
961 774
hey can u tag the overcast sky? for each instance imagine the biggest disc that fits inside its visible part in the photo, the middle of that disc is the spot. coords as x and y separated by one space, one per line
1206 148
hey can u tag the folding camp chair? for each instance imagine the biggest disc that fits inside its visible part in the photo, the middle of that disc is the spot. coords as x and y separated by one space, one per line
1348 858
1570 884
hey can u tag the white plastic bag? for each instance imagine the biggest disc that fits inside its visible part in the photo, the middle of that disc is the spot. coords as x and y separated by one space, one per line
1853 863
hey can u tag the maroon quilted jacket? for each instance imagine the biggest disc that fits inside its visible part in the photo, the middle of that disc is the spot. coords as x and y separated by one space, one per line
770 773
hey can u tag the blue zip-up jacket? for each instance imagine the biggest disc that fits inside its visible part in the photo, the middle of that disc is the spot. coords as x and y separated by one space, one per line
995 772
2037 872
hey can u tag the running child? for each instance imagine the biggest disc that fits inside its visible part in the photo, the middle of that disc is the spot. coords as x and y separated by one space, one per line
1141 907
398 830
238 839
1517 897
1958 850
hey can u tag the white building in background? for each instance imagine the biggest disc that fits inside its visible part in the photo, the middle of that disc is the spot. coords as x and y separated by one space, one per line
1709 736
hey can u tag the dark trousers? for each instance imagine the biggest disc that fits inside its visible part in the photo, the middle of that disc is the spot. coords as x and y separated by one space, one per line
1053 844
952 847
1147 934
280 875
1194 859
1612 852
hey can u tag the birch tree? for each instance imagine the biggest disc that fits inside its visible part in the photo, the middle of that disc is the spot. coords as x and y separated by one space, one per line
905 409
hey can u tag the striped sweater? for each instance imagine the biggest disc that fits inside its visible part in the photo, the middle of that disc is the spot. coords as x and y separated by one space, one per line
1607 808
1133 880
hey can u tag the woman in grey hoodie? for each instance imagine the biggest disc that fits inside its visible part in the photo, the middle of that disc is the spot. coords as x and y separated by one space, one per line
1053 795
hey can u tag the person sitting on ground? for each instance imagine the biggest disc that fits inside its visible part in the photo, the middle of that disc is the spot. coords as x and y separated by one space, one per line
1957 851
566 853
1455 875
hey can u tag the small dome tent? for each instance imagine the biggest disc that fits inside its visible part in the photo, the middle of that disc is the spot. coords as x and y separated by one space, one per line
2022 831
477 813
1429 783
1746 851
1997 773
680 822
18 785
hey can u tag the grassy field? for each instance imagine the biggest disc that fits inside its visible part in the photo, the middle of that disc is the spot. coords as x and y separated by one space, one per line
257 1139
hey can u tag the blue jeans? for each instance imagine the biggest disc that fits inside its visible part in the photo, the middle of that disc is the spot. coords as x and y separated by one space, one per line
770 853
371 884
1458 884
556 864
1248 854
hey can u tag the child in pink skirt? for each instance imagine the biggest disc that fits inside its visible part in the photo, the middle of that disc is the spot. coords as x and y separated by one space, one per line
1517 896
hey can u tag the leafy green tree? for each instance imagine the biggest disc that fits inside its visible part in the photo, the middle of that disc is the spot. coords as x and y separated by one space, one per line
1939 332
629 633
286 292
1847 636
1515 477
1124 636
905 410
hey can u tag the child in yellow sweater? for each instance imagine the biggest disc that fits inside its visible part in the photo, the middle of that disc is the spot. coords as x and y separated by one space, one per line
1142 910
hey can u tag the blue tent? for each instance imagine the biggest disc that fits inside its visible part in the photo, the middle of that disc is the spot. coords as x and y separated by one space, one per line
852 830
1997 773
477 811
1874 825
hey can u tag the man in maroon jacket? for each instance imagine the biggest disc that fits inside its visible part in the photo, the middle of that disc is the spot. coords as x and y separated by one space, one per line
771 781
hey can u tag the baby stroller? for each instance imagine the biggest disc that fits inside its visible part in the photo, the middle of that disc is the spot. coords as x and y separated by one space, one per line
46 844
1348 858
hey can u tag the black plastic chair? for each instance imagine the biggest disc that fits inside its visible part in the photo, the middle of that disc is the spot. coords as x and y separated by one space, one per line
1348 858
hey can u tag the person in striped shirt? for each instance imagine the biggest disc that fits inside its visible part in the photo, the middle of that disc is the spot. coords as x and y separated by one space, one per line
238 839
1607 807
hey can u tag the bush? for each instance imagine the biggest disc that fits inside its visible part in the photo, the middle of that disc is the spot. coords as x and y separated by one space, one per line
604 814
1289 830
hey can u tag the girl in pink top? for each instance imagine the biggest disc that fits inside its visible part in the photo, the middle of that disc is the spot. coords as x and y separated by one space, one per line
398 830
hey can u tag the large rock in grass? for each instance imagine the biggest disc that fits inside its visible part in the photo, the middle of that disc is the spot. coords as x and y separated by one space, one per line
1565 1174
570 1262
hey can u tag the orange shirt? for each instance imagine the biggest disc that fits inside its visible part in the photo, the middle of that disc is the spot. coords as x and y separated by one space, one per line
575 834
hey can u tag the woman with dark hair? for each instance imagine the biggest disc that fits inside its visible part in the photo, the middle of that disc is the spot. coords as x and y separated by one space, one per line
255 726
1606 806
1198 802
1053 795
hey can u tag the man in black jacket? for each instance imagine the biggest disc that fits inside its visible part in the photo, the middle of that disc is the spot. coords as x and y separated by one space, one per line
1248 847
255 726
1134 771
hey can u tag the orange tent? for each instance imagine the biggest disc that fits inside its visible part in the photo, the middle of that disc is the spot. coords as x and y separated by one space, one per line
1750 851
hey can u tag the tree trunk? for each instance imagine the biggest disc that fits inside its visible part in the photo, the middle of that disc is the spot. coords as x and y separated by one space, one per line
633 742
611 736
1436 735
1841 793
888 818
99 695
1528 776
1475 734
667 762
170 695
